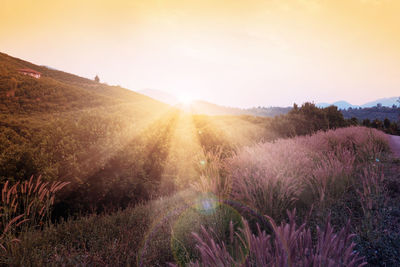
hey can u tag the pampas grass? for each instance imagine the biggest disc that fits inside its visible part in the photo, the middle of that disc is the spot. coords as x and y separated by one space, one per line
25 205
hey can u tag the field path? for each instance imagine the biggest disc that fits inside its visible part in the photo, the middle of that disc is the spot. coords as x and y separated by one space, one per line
394 142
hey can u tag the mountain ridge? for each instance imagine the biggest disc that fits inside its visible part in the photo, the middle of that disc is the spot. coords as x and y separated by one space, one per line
342 104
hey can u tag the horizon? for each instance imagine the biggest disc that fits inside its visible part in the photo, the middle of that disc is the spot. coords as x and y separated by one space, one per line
232 54
177 100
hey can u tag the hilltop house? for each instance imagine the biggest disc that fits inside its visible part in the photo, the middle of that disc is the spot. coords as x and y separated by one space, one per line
30 72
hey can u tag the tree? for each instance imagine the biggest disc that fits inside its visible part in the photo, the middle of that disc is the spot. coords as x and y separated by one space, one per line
335 117
379 105
353 121
377 124
97 79
398 100
386 123
366 122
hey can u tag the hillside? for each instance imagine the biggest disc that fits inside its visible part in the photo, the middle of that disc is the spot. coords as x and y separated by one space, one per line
66 127
114 145
160 96
57 90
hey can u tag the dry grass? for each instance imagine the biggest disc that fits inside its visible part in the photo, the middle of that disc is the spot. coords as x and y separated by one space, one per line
317 174
274 177
289 245
25 206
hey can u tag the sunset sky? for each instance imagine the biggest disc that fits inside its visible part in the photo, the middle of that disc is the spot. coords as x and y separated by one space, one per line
235 53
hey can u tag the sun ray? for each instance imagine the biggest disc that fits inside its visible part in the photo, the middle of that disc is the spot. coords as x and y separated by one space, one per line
185 151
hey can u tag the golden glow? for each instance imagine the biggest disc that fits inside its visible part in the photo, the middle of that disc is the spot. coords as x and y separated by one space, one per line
185 99
235 53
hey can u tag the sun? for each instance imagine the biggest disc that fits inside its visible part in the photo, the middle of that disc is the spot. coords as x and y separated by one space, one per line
185 99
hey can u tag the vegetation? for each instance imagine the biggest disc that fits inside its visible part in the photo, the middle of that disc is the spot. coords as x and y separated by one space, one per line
143 183
378 112
386 125
292 245
24 207
118 238
307 119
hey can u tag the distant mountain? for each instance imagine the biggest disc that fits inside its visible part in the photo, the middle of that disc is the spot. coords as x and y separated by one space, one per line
203 107
160 96
340 104
386 102
207 108
344 105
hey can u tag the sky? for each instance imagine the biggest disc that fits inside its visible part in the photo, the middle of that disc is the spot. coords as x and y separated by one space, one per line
238 53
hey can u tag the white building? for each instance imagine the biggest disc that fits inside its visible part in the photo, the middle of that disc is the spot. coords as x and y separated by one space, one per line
30 72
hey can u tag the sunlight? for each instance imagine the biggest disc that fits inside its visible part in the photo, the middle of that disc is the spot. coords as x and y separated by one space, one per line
186 99
185 148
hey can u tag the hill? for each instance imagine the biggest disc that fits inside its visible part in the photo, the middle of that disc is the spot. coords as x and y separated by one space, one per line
56 90
207 108
160 96
116 146
339 104
66 127
385 102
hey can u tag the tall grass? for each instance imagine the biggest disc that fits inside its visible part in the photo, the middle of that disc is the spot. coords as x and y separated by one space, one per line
25 205
273 177
213 177
289 245
339 167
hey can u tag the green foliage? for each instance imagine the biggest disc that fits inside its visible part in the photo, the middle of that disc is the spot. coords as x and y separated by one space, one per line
109 141
386 125
307 119
372 113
